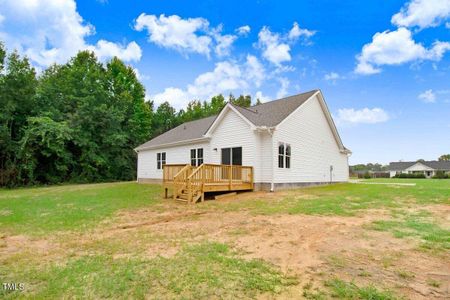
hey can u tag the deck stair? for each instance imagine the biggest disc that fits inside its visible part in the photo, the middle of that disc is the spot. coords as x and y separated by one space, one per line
189 184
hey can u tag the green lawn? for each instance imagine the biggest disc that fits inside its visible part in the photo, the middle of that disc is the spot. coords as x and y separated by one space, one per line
40 211
117 266
348 199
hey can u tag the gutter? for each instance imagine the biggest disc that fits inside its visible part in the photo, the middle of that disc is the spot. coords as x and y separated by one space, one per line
185 142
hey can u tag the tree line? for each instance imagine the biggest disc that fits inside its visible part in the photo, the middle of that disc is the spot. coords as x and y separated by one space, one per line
80 121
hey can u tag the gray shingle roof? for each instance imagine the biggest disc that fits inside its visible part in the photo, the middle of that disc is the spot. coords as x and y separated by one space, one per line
272 113
434 164
184 132
266 114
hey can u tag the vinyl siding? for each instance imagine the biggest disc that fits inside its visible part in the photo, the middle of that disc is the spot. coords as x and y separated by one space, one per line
233 131
313 147
174 155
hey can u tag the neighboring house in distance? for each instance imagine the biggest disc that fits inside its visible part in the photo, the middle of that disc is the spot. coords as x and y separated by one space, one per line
428 168
288 142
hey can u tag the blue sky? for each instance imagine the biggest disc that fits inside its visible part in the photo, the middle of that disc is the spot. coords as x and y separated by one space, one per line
383 66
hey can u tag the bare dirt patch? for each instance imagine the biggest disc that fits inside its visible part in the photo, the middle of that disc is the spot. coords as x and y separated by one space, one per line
314 248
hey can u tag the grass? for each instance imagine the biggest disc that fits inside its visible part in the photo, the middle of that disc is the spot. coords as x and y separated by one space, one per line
417 225
116 263
349 290
340 289
43 210
348 199
207 270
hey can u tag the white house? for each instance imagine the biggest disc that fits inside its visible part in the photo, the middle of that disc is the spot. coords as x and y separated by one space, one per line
288 142
427 168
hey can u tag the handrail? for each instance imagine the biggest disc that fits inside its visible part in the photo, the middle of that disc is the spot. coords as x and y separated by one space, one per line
181 171
195 171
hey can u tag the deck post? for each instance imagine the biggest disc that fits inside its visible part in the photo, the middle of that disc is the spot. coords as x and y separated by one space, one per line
230 175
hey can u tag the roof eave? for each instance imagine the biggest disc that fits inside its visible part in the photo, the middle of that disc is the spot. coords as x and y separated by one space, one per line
185 142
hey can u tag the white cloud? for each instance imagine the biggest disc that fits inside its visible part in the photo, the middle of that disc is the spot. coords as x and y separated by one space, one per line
191 35
422 13
428 96
297 32
226 77
255 70
332 77
176 33
275 46
395 48
284 85
263 98
50 31
365 115
104 50
274 50
243 30
223 42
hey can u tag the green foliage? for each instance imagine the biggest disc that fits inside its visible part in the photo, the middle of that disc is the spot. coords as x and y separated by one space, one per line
412 175
444 157
367 175
80 121
441 175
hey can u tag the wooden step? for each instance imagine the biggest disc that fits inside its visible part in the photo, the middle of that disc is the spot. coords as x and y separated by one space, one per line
179 199
183 196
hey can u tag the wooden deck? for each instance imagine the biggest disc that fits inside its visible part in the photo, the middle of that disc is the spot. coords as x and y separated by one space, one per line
190 183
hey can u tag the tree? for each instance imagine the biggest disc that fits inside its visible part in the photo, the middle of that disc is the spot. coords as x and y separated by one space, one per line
17 101
444 157
43 151
243 101
165 118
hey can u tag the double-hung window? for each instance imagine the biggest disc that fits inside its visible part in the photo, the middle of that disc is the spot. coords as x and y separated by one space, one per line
196 157
160 159
284 155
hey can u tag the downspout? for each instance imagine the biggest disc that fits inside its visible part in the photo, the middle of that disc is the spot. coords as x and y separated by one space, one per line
271 130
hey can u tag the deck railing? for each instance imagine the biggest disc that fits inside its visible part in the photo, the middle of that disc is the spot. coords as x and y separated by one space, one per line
195 181
169 171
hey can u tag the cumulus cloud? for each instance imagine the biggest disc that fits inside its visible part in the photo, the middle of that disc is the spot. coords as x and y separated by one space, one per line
50 31
395 48
297 32
191 35
226 77
184 35
332 77
263 98
422 13
275 46
223 42
428 96
284 85
362 116
274 50
243 30
104 50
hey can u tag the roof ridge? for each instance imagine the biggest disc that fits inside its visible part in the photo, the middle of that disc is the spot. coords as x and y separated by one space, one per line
284 98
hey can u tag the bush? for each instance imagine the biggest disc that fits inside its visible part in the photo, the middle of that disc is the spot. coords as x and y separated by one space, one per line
406 175
367 175
440 175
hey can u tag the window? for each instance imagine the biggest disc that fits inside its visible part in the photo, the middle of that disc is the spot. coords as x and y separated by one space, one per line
196 157
284 156
281 156
160 160
288 156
